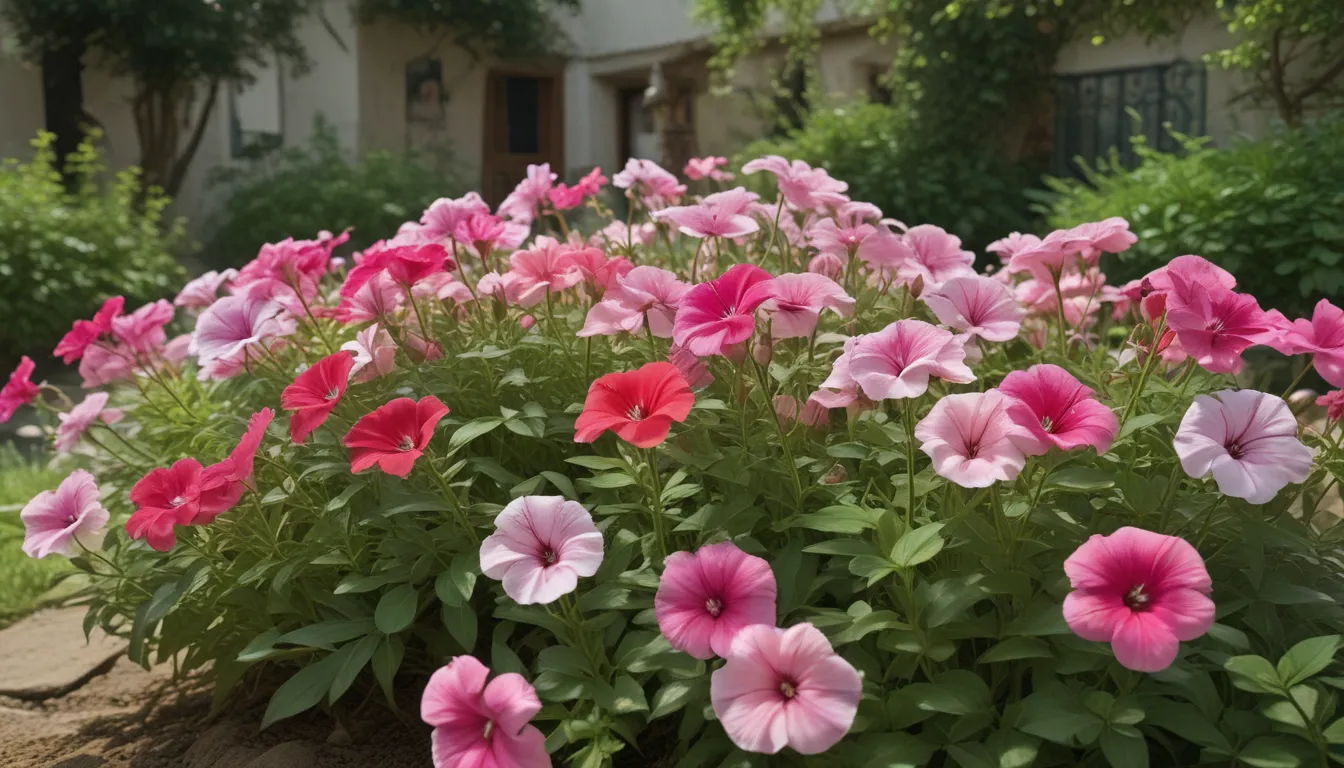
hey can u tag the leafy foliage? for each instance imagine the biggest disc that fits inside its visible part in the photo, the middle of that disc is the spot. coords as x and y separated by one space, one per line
315 187
64 251
1271 211
946 599
910 174
502 27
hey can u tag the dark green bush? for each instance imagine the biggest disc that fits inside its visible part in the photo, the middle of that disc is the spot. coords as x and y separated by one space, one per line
62 252
302 190
1271 211
977 195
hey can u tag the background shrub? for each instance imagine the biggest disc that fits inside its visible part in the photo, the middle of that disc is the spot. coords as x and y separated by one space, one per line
305 189
1270 211
64 251
909 174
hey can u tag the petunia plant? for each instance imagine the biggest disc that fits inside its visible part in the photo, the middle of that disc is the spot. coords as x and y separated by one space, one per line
730 479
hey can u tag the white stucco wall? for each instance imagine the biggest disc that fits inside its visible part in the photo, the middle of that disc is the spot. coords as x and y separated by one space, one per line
328 89
1224 120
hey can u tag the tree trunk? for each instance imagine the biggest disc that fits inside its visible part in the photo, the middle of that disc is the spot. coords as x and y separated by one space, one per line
63 99
162 117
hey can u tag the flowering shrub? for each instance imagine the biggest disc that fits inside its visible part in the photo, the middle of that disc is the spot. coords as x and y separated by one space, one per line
733 478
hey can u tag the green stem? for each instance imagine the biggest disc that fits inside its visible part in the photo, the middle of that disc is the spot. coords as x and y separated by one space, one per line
1301 375
321 333
779 210
1153 354
909 414
453 502
770 414
656 501
1059 315
134 464
1208 521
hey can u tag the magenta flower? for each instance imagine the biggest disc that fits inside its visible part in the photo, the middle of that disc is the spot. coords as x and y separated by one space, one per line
798 301
164 498
85 332
1216 325
804 187
715 315
59 521
935 256
142 330
444 216
1333 403
232 329
692 368
718 215
75 423
1140 591
1323 337
19 390
785 687
1057 411
479 725
521 204
377 299
540 548
202 292
972 440
704 599
1172 284
374 353
643 293
1247 439
898 361
223 483
977 306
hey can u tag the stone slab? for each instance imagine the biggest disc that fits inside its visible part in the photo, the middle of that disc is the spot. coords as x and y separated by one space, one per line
45 655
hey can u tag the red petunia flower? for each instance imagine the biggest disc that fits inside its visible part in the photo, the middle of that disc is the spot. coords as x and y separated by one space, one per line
315 392
639 406
165 497
394 435
19 390
86 332
223 484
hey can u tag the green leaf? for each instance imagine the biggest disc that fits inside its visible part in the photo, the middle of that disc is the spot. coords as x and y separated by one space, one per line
472 430
1124 751
262 646
1142 421
1273 752
386 662
673 696
958 692
1284 711
1254 673
609 480
326 634
623 698
1082 479
597 463
344 497
1307 658
306 688
1334 733
352 665
561 483
1188 722
918 546
461 624
396 609
274 496
1015 648
1041 617
841 518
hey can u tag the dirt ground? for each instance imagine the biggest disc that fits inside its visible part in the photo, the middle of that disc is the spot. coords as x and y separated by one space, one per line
129 718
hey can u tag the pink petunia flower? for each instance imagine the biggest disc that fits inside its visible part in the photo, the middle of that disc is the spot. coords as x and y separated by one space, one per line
840 390
972 439
643 293
1057 411
377 299
718 215
394 435
103 364
85 332
315 393
692 368
785 687
978 306
707 168
443 218
538 270
225 482
829 237
19 390
704 599
480 725
617 235
1333 403
596 270
61 521
374 353
935 257
804 187
885 252
1065 250
481 232
564 197
142 330
715 315
898 361
1140 591
1172 283
649 182
827 264
541 546
522 203
409 265
813 413
164 498
441 286
1247 439
75 423
798 301
1005 248
232 329
1216 325
1321 336
202 292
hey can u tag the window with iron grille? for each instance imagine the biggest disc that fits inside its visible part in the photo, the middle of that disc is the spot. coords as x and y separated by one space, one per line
1092 111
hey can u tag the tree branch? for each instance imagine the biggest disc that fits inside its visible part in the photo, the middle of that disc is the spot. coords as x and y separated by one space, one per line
183 161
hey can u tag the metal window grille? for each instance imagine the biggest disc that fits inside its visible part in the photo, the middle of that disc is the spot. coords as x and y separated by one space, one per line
1092 111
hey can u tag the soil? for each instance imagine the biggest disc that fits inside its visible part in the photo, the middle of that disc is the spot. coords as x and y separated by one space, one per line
130 718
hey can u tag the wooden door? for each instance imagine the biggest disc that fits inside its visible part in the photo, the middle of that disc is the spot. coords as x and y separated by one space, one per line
524 125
